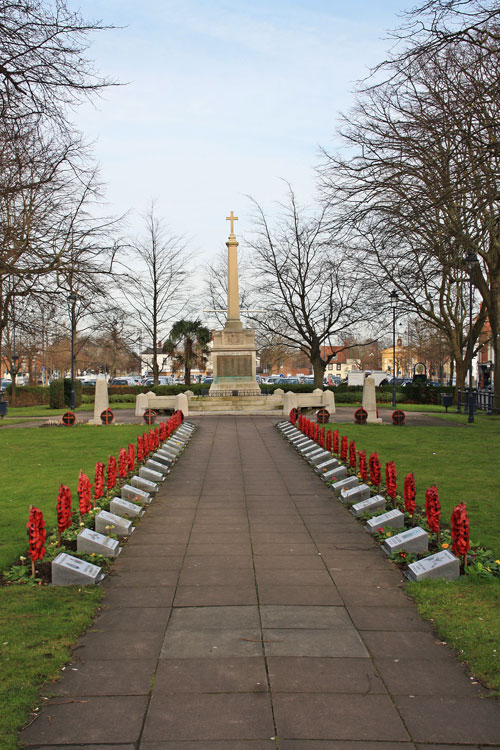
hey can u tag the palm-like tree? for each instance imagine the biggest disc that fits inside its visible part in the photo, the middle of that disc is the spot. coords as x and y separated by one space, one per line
187 345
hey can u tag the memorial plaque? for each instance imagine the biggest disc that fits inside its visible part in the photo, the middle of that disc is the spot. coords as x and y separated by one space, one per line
412 540
91 541
71 571
334 474
234 366
310 450
162 460
157 466
319 457
393 518
109 523
135 494
144 484
169 455
377 502
300 442
344 484
441 565
355 494
125 508
150 475
332 463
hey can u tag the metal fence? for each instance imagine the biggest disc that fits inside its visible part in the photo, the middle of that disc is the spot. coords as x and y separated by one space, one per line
484 400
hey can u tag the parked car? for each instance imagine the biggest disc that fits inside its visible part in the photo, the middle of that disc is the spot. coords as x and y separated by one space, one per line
208 379
162 380
89 382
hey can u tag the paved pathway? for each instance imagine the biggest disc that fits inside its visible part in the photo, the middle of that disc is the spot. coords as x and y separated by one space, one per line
249 605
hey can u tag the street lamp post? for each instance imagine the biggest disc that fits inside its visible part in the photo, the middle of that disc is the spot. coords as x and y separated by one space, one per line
471 260
72 300
394 301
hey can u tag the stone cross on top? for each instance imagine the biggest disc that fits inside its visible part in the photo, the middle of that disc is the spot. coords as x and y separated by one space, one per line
232 219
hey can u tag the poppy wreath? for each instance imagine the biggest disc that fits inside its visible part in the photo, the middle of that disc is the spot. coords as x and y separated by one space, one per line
83 490
64 519
122 463
391 486
322 437
374 469
433 509
328 444
363 467
460 531
131 457
140 448
335 442
352 455
343 448
111 473
36 535
409 492
98 481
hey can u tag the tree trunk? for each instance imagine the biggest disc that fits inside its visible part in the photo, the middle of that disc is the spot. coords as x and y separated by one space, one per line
461 370
188 354
319 366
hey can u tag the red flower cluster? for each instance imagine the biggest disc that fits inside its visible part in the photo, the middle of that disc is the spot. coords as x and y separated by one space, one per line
391 486
293 416
322 437
433 508
460 530
83 490
328 444
343 448
111 473
374 468
131 457
352 454
36 534
335 442
163 432
98 481
363 468
409 494
140 448
64 519
122 463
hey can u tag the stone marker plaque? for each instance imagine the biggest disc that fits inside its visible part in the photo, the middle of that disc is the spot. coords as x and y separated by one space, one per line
135 494
355 494
234 366
345 484
310 450
91 541
377 502
168 455
302 442
68 571
412 540
144 484
125 508
156 466
393 518
319 457
162 460
332 463
150 475
441 565
334 474
170 451
106 522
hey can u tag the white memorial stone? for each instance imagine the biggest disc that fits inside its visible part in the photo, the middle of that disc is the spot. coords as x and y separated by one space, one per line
377 502
369 402
150 475
91 541
331 463
141 404
156 466
135 494
393 518
355 494
334 474
310 450
412 540
182 403
167 455
68 571
441 565
109 523
125 508
319 457
301 442
167 462
344 484
144 484
101 400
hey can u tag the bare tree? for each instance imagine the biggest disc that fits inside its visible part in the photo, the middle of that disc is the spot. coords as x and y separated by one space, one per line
156 289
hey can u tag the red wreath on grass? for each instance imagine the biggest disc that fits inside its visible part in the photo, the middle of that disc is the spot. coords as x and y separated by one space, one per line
460 531
363 467
122 463
111 473
335 442
375 470
433 509
343 448
64 519
36 536
83 490
409 492
391 486
131 457
352 455
98 481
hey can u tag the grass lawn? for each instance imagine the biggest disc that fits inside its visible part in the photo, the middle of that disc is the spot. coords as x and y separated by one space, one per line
44 410
460 460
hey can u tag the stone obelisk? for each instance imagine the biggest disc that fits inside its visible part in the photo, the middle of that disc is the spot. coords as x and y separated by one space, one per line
234 350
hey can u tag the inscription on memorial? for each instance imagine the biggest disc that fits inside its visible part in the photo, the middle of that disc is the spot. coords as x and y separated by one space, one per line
234 366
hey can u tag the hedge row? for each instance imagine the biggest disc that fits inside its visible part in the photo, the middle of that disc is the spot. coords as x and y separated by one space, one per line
28 395
60 393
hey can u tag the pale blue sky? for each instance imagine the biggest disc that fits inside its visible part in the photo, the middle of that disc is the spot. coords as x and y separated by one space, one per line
224 99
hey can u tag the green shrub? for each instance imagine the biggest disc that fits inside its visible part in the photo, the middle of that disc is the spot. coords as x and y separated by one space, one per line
29 395
60 393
